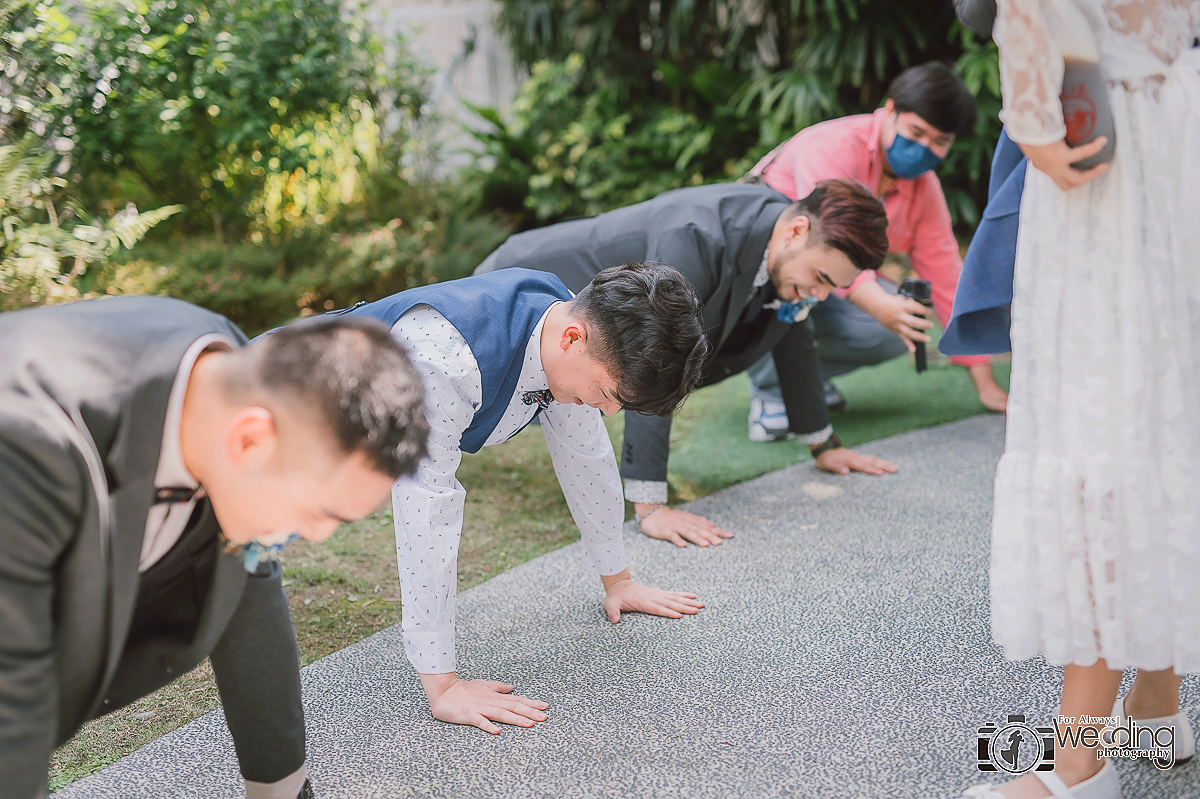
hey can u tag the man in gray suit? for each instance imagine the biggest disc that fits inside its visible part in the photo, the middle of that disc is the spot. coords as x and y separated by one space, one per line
147 459
758 262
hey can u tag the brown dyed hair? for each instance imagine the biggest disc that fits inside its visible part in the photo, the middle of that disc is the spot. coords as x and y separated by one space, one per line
846 217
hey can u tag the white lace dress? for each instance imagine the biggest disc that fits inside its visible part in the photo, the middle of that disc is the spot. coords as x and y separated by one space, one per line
1096 531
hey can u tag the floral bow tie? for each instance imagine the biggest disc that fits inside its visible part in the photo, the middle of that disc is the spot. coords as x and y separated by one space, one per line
543 398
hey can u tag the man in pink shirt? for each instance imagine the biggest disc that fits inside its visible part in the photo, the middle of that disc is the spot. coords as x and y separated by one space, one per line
893 153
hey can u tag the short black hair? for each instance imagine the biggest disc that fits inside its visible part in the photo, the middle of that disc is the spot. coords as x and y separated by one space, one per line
650 334
934 93
356 377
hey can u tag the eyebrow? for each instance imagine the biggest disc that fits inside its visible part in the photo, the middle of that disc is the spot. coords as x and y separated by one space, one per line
933 133
828 280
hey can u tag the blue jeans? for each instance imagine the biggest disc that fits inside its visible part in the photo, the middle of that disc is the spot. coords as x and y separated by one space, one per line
847 337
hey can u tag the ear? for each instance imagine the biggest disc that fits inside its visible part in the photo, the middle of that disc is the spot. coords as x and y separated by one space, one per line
890 106
251 438
574 331
798 230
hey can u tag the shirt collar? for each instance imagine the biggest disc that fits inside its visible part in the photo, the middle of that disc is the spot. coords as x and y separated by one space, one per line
761 278
172 472
875 151
873 147
533 374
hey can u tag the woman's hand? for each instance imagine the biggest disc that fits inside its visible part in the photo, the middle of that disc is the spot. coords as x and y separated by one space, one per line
1056 159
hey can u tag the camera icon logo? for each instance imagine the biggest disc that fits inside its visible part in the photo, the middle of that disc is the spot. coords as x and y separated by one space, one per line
1015 747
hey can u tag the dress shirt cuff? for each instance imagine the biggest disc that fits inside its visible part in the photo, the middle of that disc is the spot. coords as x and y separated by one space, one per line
286 788
648 492
431 652
819 437
863 277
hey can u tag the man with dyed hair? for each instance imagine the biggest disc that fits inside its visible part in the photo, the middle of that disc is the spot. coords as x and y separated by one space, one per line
757 261
894 152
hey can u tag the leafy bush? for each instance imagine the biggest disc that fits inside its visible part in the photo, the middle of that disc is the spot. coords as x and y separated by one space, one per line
642 95
261 285
567 152
45 251
254 114
296 139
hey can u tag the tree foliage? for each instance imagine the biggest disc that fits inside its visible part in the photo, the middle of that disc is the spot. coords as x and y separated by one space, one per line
47 244
203 103
736 77
300 146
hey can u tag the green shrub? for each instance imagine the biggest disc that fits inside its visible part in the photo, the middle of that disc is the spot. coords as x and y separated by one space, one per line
568 152
259 116
644 95
261 285
48 244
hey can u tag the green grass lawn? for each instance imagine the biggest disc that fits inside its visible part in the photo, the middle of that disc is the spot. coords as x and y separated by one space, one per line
710 450
346 589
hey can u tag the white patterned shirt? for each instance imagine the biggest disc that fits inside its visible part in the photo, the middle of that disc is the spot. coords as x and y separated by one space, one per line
428 507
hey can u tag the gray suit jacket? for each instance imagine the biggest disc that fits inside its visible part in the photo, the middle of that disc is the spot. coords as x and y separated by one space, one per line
715 235
83 397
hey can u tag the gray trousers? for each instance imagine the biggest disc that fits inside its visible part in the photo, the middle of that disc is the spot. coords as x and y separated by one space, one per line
847 337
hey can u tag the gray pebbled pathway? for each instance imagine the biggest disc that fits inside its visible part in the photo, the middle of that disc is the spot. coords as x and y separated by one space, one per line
844 652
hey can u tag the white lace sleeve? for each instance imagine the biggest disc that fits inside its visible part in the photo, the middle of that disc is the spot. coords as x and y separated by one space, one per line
1031 70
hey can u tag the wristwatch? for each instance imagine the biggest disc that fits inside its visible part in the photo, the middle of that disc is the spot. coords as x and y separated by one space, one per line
830 443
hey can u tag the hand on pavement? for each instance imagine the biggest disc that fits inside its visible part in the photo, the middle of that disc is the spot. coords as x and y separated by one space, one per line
479 702
680 527
843 461
621 593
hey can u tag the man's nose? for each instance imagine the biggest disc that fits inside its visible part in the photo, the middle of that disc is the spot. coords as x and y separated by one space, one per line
821 293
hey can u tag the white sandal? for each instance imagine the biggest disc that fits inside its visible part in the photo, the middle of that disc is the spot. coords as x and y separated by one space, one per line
1103 785
1185 739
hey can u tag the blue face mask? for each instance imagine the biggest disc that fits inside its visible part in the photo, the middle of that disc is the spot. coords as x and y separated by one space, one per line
908 158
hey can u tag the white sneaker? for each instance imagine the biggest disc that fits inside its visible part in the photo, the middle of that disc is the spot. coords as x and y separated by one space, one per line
768 421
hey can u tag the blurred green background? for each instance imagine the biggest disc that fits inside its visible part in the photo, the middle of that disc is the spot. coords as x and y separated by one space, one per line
280 157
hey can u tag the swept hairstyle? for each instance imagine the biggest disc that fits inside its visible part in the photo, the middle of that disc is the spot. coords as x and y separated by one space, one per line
846 217
651 337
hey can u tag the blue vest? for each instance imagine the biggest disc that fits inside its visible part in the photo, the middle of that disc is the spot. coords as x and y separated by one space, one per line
496 314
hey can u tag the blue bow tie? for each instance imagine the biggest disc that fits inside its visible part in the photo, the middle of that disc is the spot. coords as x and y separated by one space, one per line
792 312
543 398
